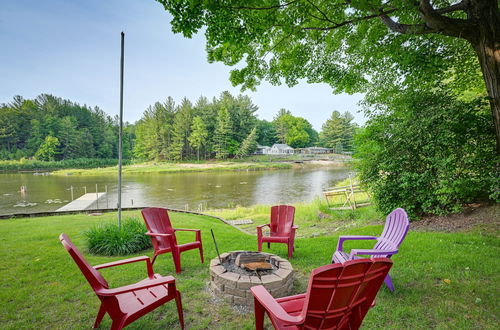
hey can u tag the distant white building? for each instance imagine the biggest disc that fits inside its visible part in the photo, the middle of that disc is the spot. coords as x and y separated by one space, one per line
280 149
262 150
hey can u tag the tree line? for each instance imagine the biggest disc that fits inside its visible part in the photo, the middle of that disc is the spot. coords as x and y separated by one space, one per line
228 127
50 128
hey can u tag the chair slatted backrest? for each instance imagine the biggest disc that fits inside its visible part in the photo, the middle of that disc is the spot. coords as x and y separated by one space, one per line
340 295
94 278
158 222
395 230
282 217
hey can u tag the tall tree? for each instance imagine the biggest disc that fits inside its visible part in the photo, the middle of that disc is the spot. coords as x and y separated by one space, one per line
49 149
338 132
198 135
248 145
281 124
182 129
266 133
223 134
351 45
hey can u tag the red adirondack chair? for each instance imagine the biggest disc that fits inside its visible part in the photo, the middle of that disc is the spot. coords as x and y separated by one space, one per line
128 303
163 236
395 230
281 227
338 297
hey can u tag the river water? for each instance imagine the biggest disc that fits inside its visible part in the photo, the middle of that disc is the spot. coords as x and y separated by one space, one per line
195 190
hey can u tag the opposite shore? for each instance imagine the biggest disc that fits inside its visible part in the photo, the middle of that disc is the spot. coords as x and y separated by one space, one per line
106 167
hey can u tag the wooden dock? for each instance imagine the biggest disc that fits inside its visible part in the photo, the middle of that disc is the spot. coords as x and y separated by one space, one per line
82 203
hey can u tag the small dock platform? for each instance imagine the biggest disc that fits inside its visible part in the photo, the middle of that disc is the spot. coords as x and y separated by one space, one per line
82 203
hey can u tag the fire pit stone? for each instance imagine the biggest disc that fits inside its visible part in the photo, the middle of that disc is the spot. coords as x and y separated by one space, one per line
232 282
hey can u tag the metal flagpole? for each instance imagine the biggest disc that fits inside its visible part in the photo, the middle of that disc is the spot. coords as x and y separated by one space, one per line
120 132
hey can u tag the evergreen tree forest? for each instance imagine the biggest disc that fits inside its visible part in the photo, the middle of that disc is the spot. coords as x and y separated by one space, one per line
225 127
50 128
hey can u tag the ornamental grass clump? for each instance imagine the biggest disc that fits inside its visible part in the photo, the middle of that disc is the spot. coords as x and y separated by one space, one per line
108 240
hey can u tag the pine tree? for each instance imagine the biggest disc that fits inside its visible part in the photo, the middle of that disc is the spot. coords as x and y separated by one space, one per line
222 134
182 130
198 135
248 145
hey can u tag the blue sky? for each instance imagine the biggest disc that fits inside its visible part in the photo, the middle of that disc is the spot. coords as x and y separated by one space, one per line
71 49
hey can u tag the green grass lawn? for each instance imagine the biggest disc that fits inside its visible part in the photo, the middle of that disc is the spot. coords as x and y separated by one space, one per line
43 288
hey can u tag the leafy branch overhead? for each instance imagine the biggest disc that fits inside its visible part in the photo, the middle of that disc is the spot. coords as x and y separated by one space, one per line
369 46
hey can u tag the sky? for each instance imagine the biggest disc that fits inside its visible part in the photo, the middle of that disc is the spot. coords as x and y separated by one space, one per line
71 49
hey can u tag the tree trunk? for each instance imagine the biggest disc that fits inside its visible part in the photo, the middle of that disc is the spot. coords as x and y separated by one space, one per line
487 47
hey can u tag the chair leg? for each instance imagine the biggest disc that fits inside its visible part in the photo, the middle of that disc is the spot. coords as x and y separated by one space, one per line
177 261
178 302
268 245
201 254
154 258
388 282
118 325
100 315
259 315
290 250
259 245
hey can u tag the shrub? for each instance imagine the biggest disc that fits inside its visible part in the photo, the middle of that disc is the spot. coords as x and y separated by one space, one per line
429 153
107 240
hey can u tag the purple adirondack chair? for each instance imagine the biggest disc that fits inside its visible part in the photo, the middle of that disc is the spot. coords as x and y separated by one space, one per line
395 230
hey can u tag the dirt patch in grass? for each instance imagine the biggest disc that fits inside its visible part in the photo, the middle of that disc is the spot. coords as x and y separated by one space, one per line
473 215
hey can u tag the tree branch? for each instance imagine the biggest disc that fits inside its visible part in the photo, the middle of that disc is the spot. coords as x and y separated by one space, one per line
266 8
320 11
354 20
458 6
452 27
405 28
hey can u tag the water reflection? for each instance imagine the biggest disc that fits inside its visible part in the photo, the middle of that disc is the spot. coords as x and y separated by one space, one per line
176 190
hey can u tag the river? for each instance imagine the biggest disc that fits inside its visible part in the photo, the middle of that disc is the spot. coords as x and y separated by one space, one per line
195 190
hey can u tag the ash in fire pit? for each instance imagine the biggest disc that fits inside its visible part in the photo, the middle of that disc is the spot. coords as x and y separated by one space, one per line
240 270
249 263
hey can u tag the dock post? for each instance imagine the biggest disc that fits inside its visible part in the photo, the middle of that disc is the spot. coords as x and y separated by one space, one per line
71 193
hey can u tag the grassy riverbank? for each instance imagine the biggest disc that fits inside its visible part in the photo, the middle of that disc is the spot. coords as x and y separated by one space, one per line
91 166
176 168
40 165
42 287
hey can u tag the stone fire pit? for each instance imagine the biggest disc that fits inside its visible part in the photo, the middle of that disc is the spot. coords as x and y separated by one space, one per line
241 270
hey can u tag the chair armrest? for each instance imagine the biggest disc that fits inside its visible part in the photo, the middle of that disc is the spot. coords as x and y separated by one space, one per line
138 286
158 234
184 229
345 238
259 229
373 252
295 227
197 231
272 307
128 261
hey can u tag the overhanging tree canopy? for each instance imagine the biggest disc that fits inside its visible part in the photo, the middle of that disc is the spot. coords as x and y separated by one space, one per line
353 45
